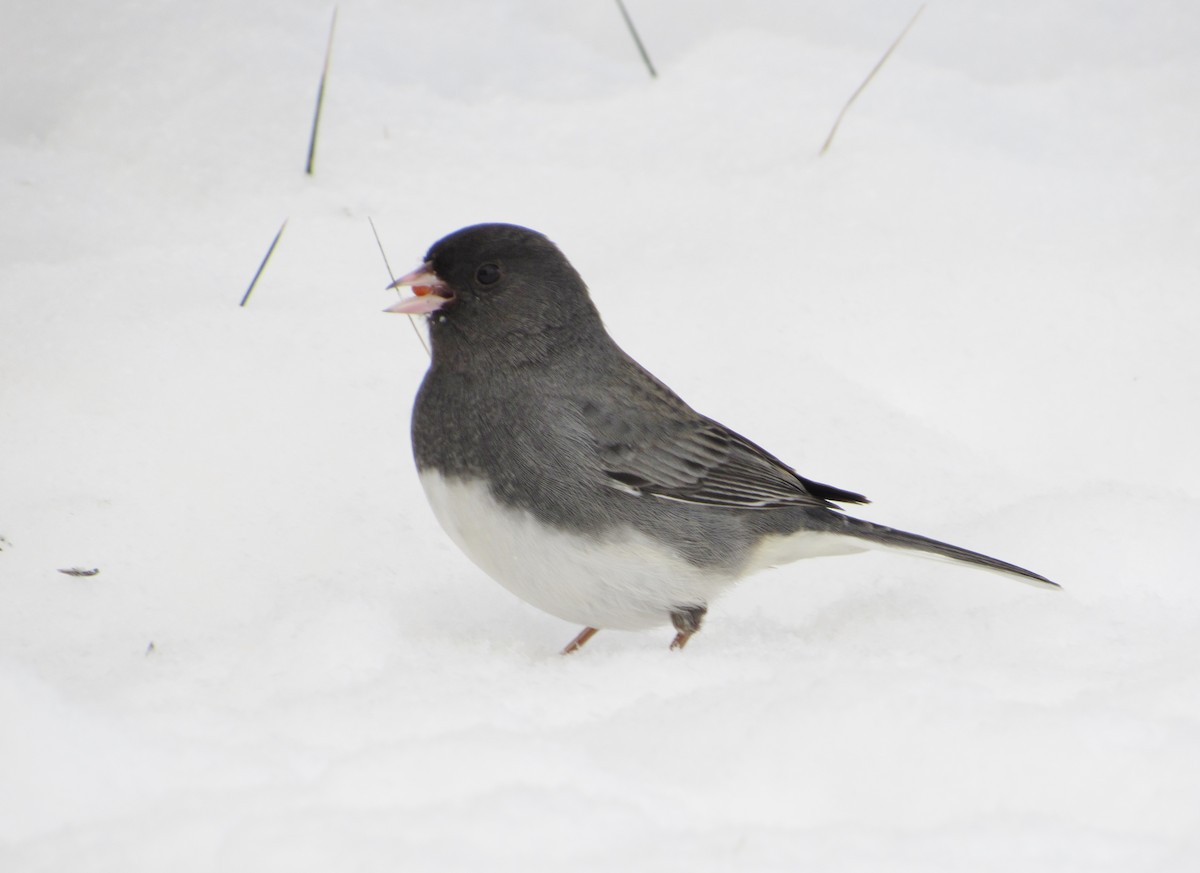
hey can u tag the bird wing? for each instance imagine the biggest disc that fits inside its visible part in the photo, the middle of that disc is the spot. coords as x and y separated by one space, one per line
684 456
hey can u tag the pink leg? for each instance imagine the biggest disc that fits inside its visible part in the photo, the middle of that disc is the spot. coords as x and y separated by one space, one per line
576 644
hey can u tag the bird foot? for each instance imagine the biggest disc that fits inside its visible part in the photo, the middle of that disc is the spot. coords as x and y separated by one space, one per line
687 620
680 640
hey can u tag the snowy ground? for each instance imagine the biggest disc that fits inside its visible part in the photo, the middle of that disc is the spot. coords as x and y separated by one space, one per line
979 308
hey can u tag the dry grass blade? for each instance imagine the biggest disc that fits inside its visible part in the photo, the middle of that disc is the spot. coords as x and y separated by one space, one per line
411 320
312 140
637 39
263 265
870 76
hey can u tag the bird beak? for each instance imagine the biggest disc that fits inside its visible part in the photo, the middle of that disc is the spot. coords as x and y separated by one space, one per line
431 292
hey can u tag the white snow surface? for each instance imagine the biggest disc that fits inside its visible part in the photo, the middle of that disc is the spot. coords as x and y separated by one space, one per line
979 308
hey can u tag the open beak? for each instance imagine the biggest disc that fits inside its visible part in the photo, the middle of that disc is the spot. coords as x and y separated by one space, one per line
431 293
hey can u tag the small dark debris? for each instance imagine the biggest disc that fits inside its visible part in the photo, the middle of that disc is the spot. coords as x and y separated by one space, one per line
79 571
150 649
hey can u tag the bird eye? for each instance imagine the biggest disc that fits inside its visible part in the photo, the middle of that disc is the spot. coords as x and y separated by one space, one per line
488 274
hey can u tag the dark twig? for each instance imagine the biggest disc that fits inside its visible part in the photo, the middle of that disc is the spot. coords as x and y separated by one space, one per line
392 276
263 265
312 140
79 571
637 39
870 76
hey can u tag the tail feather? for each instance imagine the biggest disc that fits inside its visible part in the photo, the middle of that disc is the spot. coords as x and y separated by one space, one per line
892 538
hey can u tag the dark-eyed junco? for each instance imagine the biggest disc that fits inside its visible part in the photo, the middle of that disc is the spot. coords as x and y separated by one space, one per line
576 479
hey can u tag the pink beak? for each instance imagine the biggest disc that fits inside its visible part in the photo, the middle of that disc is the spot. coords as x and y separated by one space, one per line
431 292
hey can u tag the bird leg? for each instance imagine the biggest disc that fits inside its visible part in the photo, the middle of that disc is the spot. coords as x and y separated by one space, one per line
576 644
687 620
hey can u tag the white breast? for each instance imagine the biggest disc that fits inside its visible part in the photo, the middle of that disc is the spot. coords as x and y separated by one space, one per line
622 580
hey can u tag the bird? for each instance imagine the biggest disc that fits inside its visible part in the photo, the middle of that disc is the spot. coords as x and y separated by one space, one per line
579 481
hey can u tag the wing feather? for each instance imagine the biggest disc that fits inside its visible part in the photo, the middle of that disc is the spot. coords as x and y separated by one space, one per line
683 456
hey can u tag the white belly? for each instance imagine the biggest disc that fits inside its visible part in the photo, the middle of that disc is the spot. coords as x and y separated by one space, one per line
622 580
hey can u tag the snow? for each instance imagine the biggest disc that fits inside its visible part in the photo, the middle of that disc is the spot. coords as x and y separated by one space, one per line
978 308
